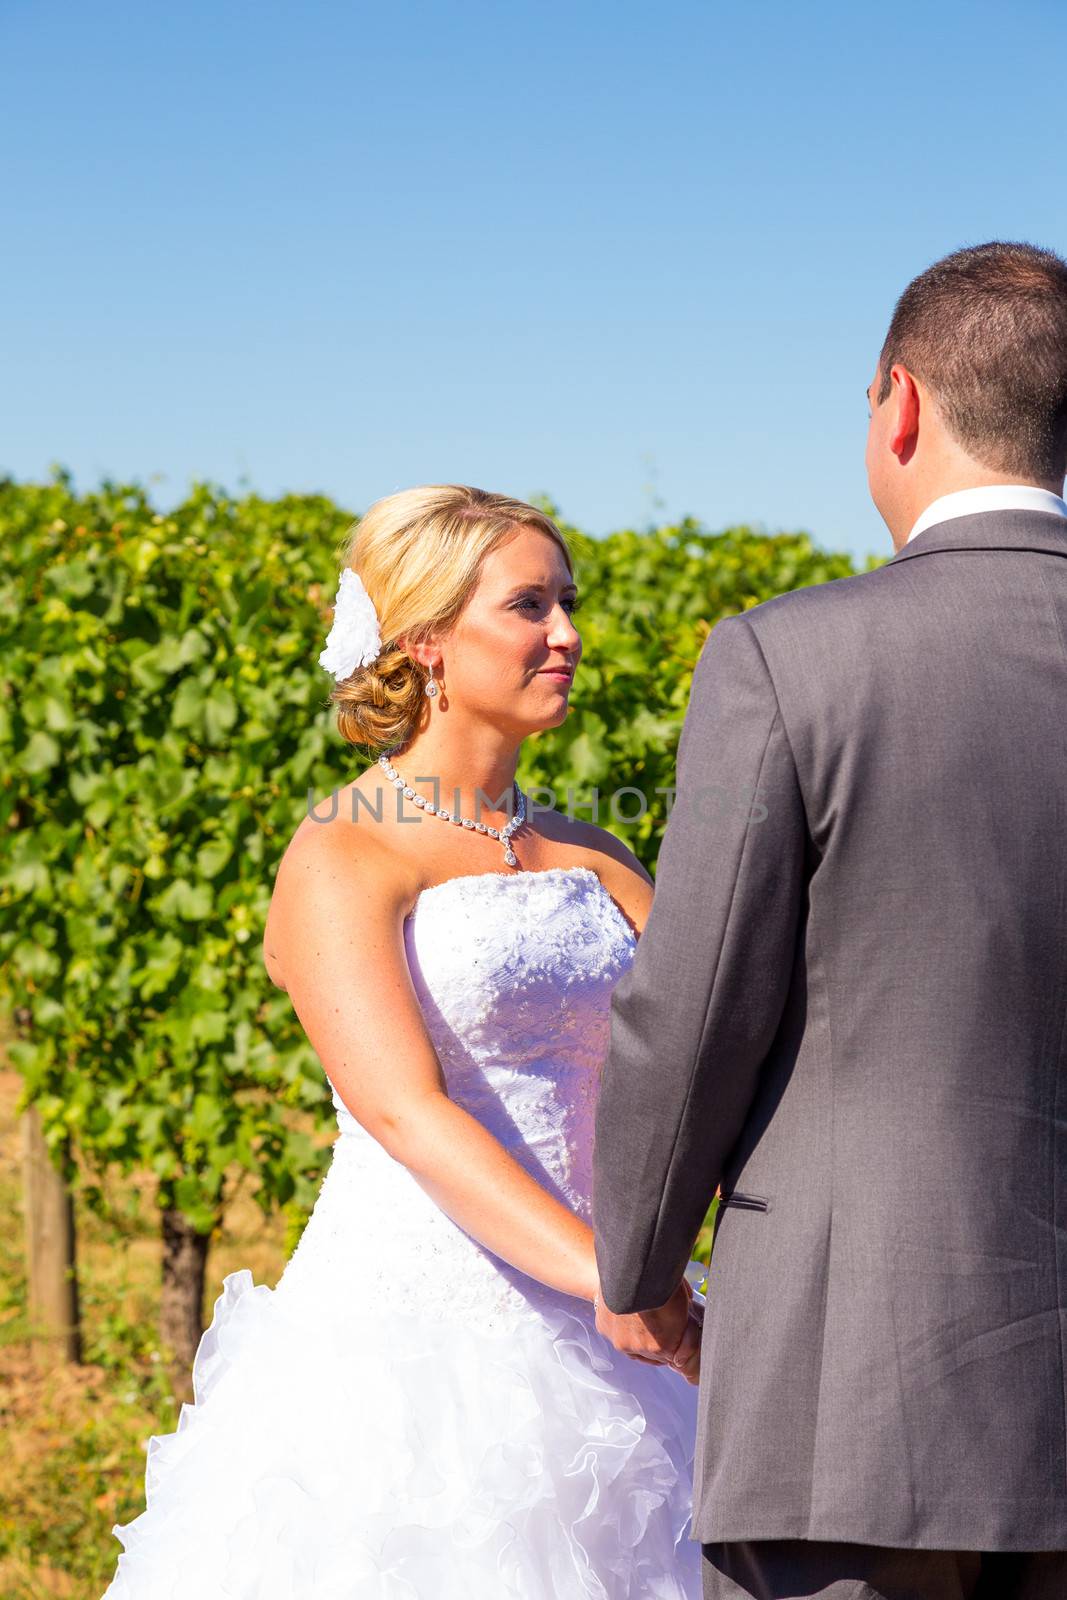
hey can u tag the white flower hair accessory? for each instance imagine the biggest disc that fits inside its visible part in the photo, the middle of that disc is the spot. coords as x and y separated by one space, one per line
354 640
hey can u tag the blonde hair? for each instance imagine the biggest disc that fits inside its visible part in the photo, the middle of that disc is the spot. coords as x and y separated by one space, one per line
419 554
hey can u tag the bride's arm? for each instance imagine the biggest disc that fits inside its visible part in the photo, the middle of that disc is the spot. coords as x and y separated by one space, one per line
337 927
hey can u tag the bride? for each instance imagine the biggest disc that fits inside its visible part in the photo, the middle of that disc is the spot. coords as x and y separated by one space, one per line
429 1405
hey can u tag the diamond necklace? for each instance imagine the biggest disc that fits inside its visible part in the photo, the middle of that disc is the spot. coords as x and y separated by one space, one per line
503 834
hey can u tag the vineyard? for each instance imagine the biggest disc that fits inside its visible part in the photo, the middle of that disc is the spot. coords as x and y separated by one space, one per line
163 1120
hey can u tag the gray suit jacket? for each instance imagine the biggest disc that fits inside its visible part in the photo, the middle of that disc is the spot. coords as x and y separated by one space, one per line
849 1009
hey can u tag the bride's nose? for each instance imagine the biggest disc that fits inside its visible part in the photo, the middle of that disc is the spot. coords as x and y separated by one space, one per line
561 630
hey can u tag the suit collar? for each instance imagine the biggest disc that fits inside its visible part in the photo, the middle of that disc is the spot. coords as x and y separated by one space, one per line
990 530
988 497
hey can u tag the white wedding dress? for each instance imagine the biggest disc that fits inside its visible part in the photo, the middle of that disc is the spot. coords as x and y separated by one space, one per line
406 1416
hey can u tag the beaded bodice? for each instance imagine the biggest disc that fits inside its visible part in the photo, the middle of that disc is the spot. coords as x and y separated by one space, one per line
513 973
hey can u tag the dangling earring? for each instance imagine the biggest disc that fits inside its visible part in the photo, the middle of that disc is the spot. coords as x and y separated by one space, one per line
431 687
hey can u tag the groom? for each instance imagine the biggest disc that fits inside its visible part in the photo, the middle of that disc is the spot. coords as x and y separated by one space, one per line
849 1008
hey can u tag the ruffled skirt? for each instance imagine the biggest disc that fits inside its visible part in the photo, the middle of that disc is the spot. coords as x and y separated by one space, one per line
377 1455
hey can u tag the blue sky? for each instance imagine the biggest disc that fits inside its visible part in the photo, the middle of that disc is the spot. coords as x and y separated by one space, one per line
640 258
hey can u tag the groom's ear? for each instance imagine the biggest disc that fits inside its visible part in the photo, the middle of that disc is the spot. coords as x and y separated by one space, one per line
908 404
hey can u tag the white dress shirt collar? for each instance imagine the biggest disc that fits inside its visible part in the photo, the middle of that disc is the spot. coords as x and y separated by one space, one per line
990 497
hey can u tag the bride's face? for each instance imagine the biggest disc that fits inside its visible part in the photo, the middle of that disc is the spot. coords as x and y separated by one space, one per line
513 652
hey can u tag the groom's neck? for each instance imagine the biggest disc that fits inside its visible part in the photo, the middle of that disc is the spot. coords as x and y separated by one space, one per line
948 477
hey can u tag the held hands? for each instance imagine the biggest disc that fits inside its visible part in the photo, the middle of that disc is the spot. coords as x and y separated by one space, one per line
667 1335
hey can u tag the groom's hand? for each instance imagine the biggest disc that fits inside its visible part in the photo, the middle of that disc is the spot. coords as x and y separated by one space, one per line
686 1359
659 1335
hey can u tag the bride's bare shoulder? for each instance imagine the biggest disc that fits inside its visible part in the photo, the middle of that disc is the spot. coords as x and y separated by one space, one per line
334 849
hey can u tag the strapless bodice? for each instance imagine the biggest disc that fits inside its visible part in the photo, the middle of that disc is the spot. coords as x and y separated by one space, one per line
513 974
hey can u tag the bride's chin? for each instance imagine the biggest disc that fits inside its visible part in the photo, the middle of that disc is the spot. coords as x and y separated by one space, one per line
552 719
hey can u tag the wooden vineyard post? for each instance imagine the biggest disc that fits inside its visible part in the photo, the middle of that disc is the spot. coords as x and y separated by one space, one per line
50 1248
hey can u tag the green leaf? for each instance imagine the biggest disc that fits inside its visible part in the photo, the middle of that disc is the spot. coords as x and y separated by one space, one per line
190 901
212 857
188 704
41 753
220 714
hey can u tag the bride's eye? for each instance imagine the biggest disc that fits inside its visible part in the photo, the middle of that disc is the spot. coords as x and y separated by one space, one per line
572 602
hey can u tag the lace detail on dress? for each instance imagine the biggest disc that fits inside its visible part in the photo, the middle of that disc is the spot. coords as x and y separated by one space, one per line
514 973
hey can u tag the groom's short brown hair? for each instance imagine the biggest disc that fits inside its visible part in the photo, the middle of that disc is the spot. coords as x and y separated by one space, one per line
985 329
